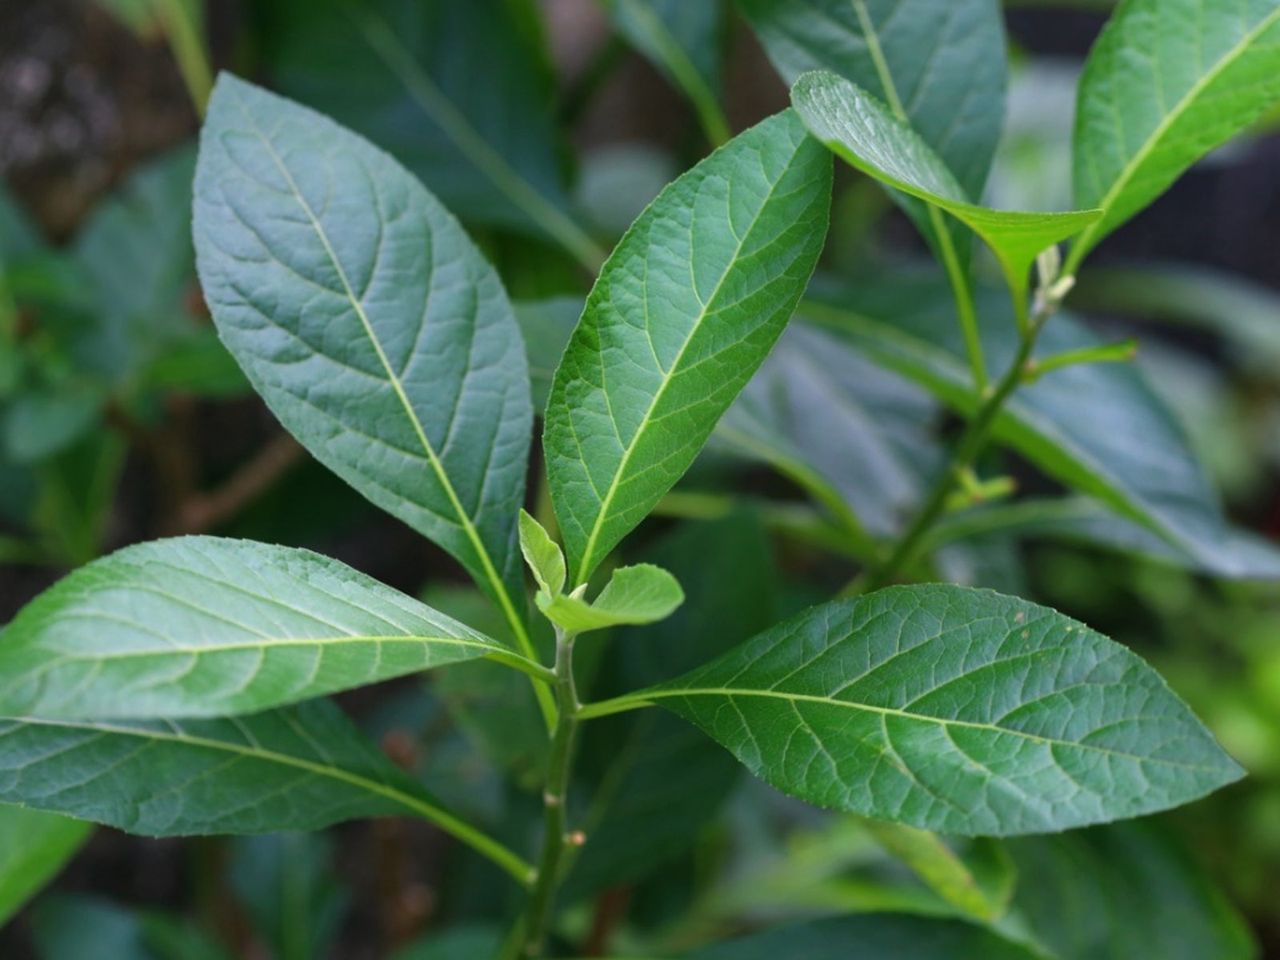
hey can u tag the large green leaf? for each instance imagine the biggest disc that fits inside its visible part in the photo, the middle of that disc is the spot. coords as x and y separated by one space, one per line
870 937
951 709
34 846
684 311
683 40
1121 891
403 73
300 768
865 132
1098 428
1167 81
203 627
942 61
368 321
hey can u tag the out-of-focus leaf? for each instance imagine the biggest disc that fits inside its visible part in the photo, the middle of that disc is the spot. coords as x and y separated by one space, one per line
546 326
978 881
18 236
1096 427
198 364
463 943
684 311
683 41
870 937
1166 82
403 73
40 424
76 927
943 61
405 376
951 709
288 884
74 495
34 846
204 626
1121 891
618 180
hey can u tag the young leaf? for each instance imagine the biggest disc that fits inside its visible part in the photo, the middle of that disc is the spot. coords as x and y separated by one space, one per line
1098 428
369 322
683 313
951 709
1122 891
34 846
871 936
201 626
542 554
942 61
635 595
301 768
865 132
682 40
1166 82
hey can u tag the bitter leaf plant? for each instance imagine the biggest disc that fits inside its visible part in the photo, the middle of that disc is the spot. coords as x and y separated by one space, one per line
171 688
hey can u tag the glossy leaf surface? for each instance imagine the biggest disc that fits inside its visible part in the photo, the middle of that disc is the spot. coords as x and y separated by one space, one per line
683 313
202 626
368 321
956 710
1166 82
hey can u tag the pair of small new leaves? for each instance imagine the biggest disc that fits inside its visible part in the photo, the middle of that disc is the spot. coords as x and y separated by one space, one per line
634 595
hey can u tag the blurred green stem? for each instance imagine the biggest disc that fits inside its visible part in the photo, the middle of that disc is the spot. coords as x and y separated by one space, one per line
181 20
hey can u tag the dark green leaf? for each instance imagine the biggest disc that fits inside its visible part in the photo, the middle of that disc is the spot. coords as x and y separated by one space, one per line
201 626
546 326
1166 82
34 846
39 424
941 61
369 322
955 710
684 311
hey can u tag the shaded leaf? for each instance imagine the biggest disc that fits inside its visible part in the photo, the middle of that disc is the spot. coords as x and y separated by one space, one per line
978 881
202 626
34 846
683 313
955 710
405 377
546 326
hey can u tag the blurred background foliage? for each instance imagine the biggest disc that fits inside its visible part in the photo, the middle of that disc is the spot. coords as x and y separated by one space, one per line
547 126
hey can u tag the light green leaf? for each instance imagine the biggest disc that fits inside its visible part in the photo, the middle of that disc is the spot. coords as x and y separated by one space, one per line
951 709
403 74
1122 891
682 40
38 424
34 846
301 768
872 936
943 62
201 626
1098 428
683 313
369 322
1166 82
634 595
542 554
865 132
978 881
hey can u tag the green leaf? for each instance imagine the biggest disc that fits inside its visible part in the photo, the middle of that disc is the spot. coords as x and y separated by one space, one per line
34 846
76 926
638 594
39 424
1098 428
369 322
546 326
300 768
1166 82
978 881
865 132
951 709
684 311
201 626
682 40
873 936
542 554
1122 891
403 74
942 61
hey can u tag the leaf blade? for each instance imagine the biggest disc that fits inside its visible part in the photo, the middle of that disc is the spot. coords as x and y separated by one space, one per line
905 720
590 463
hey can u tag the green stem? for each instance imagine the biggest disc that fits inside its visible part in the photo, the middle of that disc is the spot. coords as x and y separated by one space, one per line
186 39
537 918
963 295
1121 352
965 452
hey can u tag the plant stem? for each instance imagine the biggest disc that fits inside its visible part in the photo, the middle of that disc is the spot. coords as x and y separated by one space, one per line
964 454
537 919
